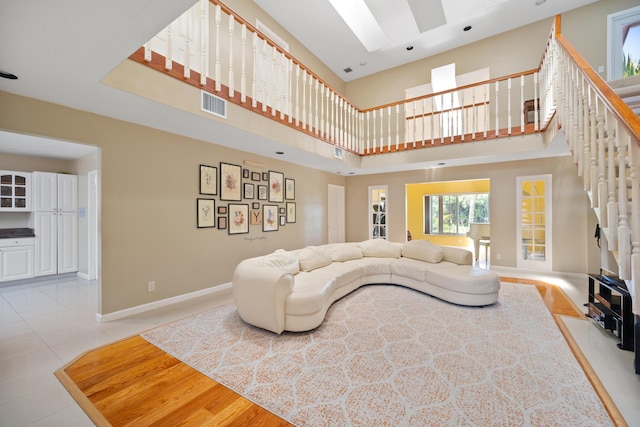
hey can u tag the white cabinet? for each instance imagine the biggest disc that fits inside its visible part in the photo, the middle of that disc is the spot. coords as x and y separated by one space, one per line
15 191
16 259
55 223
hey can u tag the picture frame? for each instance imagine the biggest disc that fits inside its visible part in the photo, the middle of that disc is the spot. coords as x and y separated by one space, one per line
291 212
255 176
265 176
245 173
289 189
255 205
282 211
248 191
238 222
283 221
269 218
256 217
262 192
222 210
208 180
206 213
276 187
230 182
222 222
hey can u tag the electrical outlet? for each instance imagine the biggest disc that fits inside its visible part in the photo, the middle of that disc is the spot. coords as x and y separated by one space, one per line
498 257
151 286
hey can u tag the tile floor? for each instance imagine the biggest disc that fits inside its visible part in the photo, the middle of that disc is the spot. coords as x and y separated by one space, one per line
44 325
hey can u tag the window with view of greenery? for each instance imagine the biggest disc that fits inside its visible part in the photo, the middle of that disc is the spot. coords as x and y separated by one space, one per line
452 213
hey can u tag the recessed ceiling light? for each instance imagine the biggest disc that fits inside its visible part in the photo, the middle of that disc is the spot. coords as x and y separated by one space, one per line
363 63
348 70
8 75
409 47
539 2
280 152
352 173
467 28
441 164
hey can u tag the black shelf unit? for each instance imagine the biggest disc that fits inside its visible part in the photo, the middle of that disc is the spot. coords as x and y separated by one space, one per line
610 306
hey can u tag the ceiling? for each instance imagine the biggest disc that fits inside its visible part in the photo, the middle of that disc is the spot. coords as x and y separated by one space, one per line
428 26
61 51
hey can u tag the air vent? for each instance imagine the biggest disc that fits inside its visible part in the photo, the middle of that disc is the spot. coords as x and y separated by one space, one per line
338 153
214 105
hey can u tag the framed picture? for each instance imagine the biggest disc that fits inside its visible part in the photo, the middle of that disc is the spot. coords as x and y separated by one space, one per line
230 178
208 180
222 222
282 220
222 210
291 212
255 176
245 173
248 191
282 211
238 219
262 192
276 190
256 217
290 189
206 213
269 218
265 176
255 205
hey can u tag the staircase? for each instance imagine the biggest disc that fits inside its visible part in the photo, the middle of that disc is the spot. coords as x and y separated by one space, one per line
628 89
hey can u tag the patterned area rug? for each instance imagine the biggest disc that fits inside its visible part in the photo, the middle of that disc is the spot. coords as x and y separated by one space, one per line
391 356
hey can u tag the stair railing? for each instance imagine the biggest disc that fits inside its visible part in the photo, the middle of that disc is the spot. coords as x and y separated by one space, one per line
603 134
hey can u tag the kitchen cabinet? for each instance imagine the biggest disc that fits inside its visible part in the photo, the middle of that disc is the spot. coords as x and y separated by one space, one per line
55 220
16 259
15 191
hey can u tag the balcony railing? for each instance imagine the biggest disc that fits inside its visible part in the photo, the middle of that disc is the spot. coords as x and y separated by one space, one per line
249 69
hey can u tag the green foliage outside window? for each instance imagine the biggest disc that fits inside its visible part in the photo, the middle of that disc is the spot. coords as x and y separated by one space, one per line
452 213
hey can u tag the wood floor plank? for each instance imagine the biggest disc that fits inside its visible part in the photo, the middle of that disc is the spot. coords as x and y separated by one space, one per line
133 383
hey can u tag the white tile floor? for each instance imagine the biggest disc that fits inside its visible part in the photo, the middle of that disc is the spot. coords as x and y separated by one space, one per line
44 325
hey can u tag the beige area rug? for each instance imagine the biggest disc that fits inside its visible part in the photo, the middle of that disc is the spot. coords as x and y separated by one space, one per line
391 356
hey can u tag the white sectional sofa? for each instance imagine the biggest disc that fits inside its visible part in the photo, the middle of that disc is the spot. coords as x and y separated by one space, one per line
292 290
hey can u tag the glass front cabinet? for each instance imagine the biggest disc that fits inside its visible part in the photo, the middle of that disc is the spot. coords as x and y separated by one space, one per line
15 191
378 212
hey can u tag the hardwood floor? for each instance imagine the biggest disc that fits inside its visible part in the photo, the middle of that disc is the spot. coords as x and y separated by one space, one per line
134 383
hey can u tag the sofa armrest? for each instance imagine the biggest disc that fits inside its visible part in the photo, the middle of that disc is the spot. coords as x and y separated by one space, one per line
260 293
457 255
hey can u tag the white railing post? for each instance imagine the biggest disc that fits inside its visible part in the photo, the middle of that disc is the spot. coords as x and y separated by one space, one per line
204 41
624 238
231 74
612 205
634 163
254 76
218 85
602 182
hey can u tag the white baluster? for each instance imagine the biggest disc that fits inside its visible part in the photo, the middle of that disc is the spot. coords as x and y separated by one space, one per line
231 74
389 127
310 119
423 130
147 52
413 122
218 85
283 85
486 112
204 41
398 128
186 69
497 94
462 114
624 237
509 105
522 104
168 60
593 138
634 164
315 112
254 77
263 76
536 102
290 94
612 205
602 183
274 78
433 124
243 65
297 94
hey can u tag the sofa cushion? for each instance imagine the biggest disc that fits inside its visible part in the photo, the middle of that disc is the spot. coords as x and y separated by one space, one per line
459 256
409 268
422 250
346 252
380 248
313 257
283 260
466 279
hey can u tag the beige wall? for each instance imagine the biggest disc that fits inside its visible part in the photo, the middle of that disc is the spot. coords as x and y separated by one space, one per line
149 184
573 221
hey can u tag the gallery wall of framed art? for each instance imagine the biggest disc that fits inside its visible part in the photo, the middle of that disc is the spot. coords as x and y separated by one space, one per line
245 199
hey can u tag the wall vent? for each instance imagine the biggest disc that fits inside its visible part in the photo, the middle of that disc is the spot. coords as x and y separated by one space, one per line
214 105
338 153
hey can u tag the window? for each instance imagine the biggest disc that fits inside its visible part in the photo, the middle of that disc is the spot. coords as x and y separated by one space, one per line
623 48
452 213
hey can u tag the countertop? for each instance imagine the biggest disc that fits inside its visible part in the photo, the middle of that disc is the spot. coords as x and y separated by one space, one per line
13 233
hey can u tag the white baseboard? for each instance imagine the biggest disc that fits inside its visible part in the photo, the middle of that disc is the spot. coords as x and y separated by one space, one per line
83 276
220 289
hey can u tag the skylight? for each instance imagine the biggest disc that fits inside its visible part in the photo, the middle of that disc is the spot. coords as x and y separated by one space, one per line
360 20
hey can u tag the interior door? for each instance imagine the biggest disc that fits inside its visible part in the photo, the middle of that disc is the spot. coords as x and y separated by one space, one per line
534 222
336 214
